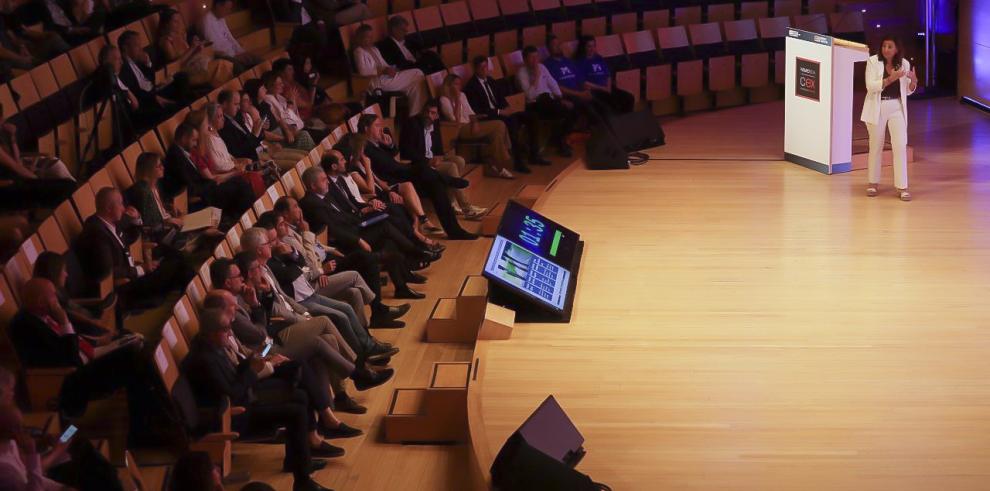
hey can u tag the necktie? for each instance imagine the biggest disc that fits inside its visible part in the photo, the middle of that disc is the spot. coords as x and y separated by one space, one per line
343 189
488 92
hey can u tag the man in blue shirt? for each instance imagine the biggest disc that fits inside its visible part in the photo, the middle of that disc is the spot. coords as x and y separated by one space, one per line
571 81
594 70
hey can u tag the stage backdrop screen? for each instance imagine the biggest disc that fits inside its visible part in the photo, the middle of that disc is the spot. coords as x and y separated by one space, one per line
532 255
974 50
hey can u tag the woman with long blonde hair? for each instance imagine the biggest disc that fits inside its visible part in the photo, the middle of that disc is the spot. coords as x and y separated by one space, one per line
455 107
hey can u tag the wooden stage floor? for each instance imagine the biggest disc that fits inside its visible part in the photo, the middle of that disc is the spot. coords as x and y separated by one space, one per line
740 323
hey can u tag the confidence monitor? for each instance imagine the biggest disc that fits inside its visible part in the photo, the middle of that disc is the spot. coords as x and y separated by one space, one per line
532 266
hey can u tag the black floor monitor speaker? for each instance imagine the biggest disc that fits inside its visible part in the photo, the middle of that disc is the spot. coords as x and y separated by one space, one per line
617 136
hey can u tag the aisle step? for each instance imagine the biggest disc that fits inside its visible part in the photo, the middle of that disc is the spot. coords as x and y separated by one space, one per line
434 414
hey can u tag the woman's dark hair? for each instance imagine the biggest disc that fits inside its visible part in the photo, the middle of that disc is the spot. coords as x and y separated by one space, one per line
279 65
581 52
192 472
49 265
302 78
896 62
252 87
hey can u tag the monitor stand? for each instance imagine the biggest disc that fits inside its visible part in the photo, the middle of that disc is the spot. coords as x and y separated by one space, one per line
530 311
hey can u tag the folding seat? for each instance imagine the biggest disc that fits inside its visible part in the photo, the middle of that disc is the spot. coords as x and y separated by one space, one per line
721 12
848 25
706 39
548 11
642 49
434 82
486 15
479 46
773 31
452 53
755 70
516 13
378 8
754 10
119 174
630 81
33 117
457 20
534 35
610 7
786 8
654 19
690 77
721 73
741 37
812 23
399 6
506 41
51 236
511 62
565 31
821 6
130 155
579 9
623 23
673 43
685 16
610 48
430 28
594 26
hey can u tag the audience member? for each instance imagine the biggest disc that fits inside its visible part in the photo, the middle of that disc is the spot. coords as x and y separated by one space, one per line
282 107
321 257
597 77
142 114
456 108
214 29
422 144
488 100
230 193
21 47
545 99
86 320
339 12
194 57
571 82
404 53
77 22
315 99
43 336
216 372
259 175
368 62
347 235
194 471
382 150
138 74
29 182
238 133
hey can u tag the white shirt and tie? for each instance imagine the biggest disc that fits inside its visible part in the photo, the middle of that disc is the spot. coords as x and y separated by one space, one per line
143 82
405 51
428 137
489 93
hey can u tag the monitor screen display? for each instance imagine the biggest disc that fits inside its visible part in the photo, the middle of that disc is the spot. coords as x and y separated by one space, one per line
532 255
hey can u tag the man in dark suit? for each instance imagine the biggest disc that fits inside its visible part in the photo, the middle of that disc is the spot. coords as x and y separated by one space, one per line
487 99
217 372
43 336
405 53
103 248
382 151
138 74
345 232
232 194
241 143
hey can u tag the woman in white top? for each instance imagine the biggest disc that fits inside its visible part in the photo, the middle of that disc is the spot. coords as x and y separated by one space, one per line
369 63
455 107
889 80
222 163
283 110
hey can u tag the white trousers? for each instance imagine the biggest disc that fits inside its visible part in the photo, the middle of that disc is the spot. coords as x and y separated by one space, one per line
411 82
891 117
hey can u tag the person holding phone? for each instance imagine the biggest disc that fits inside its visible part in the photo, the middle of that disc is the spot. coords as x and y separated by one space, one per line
889 80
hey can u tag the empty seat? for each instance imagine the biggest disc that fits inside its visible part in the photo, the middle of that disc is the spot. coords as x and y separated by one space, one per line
740 36
813 23
721 12
755 70
786 7
706 39
754 10
641 48
457 19
610 48
429 26
548 11
593 27
684 16
821 6
486 15
654 19
534 35
630 81
722 73
516 13
623 23
848 25
773 31
690 75
673 43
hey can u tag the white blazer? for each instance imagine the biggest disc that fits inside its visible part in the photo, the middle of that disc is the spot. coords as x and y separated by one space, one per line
875 73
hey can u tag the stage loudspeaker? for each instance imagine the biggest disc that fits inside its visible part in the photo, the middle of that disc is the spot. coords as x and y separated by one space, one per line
542 453
618 135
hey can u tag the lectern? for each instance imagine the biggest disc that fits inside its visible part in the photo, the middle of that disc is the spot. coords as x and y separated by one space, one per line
818 100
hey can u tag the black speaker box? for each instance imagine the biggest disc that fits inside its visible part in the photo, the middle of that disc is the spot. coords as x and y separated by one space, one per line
611 141
521 467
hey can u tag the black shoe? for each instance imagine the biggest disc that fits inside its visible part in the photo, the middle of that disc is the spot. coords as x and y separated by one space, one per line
537 160
342 431
380 362
522 168
347 404
381 350
408 293
397 311
326 451
458 183
419 266
314 464
365 379
461 235
383 322
438 248
415 278
308 485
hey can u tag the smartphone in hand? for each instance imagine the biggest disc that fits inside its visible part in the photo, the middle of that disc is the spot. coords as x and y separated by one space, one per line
68 434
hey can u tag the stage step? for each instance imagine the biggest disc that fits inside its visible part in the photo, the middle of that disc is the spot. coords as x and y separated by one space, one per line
469 317
434 414
445 326
473 297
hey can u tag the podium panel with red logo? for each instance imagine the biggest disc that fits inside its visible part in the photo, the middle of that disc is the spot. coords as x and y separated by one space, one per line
818 98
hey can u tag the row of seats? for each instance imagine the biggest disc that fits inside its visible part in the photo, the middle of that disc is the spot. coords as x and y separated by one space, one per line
780 7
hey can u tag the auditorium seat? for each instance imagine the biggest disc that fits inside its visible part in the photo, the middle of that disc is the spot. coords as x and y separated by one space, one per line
516 13
623 23
706 39
685 16
754 10
812 23
721 12
673 43
457 20
174 339
51 236
755 70
223 250
580 8
690 76
119 174
610 48
434 82
186 316
511 62
593 26
821 6
196 290
773 31
479 46
452 53
641 48
506 41
778 67
293 184
848 25
548 11
721 73
534 35
486 16
659 81
654 19
787 8
741 37
429 24
630 81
